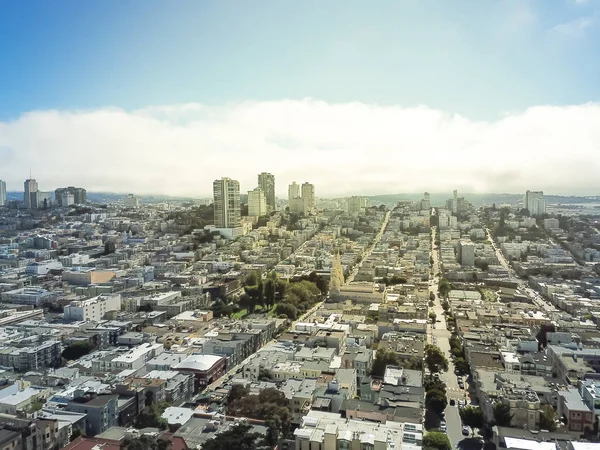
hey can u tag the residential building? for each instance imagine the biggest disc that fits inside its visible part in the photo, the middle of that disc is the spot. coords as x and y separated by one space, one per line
466 253
227 210
571 406
93 308
266 182
257 203
534 202
308 197
205 368
102 411
28 296
77 196
84 276
357 205
131 202
30 194
2 193
293 191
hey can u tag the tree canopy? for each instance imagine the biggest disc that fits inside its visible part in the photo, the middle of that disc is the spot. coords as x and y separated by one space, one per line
436 401
472 416
436 440
384 357
77 350
502 415
238 437
547 418
435 359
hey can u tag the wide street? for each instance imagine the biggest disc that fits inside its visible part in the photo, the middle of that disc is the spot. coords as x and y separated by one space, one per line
439 335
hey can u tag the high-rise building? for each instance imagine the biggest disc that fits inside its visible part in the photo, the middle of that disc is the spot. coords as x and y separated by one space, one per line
226 194
257 203
308 197
79 195
2 193
30 195
535 203
293 191
131 201
425 203
455 202
266 181
466 253
357 205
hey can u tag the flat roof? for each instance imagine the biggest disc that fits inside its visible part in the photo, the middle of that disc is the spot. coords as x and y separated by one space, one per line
198 362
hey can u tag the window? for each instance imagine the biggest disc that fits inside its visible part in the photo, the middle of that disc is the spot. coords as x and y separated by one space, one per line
343 445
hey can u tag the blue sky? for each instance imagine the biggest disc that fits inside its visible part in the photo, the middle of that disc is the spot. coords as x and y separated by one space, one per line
221 81
479 58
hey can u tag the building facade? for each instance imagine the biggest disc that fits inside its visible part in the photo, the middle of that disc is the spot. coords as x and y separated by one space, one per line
2 193
30 194
227 210
266 181
78 196
257 203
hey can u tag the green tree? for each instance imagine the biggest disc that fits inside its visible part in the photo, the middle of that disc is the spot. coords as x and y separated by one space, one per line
444 287
237 437
542 335
432 316
547 418
502 415
462 365
435 361
77 350
270 292
109 247
252 279
287 309
445 306
384 357
270 405
150 417
432 383
436 401
237 392
436 440
472 416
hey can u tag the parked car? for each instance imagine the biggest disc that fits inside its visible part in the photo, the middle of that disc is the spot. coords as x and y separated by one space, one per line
461 403
465 430
452 402
443 427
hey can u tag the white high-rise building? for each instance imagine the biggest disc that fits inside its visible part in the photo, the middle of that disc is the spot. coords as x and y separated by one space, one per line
226 195
131 201
67 199
257 203
266 181
454 201
2 193
535 203
30 195
466 253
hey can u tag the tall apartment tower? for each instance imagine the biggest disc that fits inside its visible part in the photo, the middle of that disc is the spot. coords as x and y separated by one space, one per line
357 205
454 201
257 203
308 196
2 193
466 253
30 195
535 203
226 194
79 195
293 191
266 182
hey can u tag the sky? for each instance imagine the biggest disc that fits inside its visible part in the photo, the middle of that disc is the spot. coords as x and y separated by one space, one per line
155 97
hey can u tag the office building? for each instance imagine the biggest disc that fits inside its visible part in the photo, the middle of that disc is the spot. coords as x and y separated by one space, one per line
257 203
535 203
357 205
308 196
30 194
93 308
466 253
78 196
266 181
301 204
2 193
454 202
226 195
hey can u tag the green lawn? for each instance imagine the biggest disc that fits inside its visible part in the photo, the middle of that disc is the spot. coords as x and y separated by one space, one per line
240 314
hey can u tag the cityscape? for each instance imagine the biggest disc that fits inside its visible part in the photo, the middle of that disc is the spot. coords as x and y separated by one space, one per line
298 322
310 225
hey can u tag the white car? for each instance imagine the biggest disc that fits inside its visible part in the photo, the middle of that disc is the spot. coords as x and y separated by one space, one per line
443 427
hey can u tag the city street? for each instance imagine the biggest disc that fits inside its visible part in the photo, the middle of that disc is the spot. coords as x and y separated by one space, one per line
386 219
439 336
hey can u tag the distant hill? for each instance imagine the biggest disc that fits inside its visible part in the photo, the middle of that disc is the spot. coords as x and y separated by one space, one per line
438 199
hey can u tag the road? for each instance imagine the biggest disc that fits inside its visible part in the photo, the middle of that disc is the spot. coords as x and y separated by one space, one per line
386 219
537 298
439 335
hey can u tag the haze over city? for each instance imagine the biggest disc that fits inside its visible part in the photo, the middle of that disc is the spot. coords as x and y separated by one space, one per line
405 97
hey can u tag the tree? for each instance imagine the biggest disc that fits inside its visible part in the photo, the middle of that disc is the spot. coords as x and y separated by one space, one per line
384 357
444 287
77 350
109 247
436 440
432 316
287 309
150 416
435 359
434 384
547 418
237 437
461 365
270 292
252 279
237 392
502 415
472 416
445 306
542 335
436 401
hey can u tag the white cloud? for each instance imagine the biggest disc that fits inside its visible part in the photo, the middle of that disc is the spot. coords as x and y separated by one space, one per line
342 148
575 28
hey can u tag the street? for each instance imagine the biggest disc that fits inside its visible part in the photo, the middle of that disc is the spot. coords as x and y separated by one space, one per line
386 219
439 335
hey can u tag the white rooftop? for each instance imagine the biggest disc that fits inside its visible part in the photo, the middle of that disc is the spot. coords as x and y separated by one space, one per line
198 362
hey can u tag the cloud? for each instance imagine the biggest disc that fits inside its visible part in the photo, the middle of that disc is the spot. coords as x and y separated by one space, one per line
342 148
575 28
